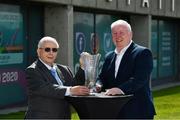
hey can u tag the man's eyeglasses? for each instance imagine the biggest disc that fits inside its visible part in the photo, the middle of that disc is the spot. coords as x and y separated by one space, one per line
50 49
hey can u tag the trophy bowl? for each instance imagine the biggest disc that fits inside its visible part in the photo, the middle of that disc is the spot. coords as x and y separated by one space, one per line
91 63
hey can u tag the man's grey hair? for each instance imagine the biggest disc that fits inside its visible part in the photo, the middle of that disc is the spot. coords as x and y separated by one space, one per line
121 22
47 39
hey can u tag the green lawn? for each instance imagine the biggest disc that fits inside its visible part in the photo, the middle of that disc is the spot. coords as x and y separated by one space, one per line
18 115
167 103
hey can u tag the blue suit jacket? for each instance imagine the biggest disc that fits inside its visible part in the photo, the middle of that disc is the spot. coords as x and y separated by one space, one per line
133 77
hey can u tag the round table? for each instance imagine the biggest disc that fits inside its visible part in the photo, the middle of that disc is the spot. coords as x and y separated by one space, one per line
98 106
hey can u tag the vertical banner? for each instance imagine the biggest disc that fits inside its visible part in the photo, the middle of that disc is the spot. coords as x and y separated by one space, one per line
166 49
12 87
12 77
154 47
11 35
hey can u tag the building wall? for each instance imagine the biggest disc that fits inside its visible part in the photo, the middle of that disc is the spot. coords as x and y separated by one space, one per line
141 13
167 8
58 22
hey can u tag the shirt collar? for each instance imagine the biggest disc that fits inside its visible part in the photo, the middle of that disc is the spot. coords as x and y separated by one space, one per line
48 66
124 49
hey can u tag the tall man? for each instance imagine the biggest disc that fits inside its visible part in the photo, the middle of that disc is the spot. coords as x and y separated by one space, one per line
49 83
127 70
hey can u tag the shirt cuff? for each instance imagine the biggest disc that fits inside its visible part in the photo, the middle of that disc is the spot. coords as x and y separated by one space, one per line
68 91
122 92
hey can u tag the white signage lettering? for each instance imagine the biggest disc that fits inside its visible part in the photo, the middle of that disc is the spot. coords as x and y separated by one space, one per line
173 5
160 4
128 2
6 77
145 3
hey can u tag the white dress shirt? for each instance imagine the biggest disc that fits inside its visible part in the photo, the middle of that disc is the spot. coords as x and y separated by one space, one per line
58 81
119 57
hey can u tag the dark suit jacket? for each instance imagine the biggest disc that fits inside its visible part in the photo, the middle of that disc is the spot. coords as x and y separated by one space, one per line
45 97
133 77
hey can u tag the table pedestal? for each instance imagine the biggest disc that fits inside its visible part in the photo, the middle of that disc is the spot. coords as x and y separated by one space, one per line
98 107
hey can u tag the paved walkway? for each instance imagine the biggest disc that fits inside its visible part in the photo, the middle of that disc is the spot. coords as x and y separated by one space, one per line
159 87
12 110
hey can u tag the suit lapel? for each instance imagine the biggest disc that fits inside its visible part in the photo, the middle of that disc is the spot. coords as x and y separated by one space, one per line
111 67
61 76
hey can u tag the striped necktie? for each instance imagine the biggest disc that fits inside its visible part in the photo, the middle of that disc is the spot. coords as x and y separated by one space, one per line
54 73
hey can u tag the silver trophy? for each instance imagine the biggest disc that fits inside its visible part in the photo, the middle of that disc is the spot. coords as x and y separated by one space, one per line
91 63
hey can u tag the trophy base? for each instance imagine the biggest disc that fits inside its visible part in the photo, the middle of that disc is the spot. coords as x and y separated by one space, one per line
92 94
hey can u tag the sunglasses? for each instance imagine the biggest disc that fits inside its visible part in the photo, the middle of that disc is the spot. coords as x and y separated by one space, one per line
50 49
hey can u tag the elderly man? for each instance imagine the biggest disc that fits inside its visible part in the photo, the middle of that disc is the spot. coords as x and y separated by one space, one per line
49 83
